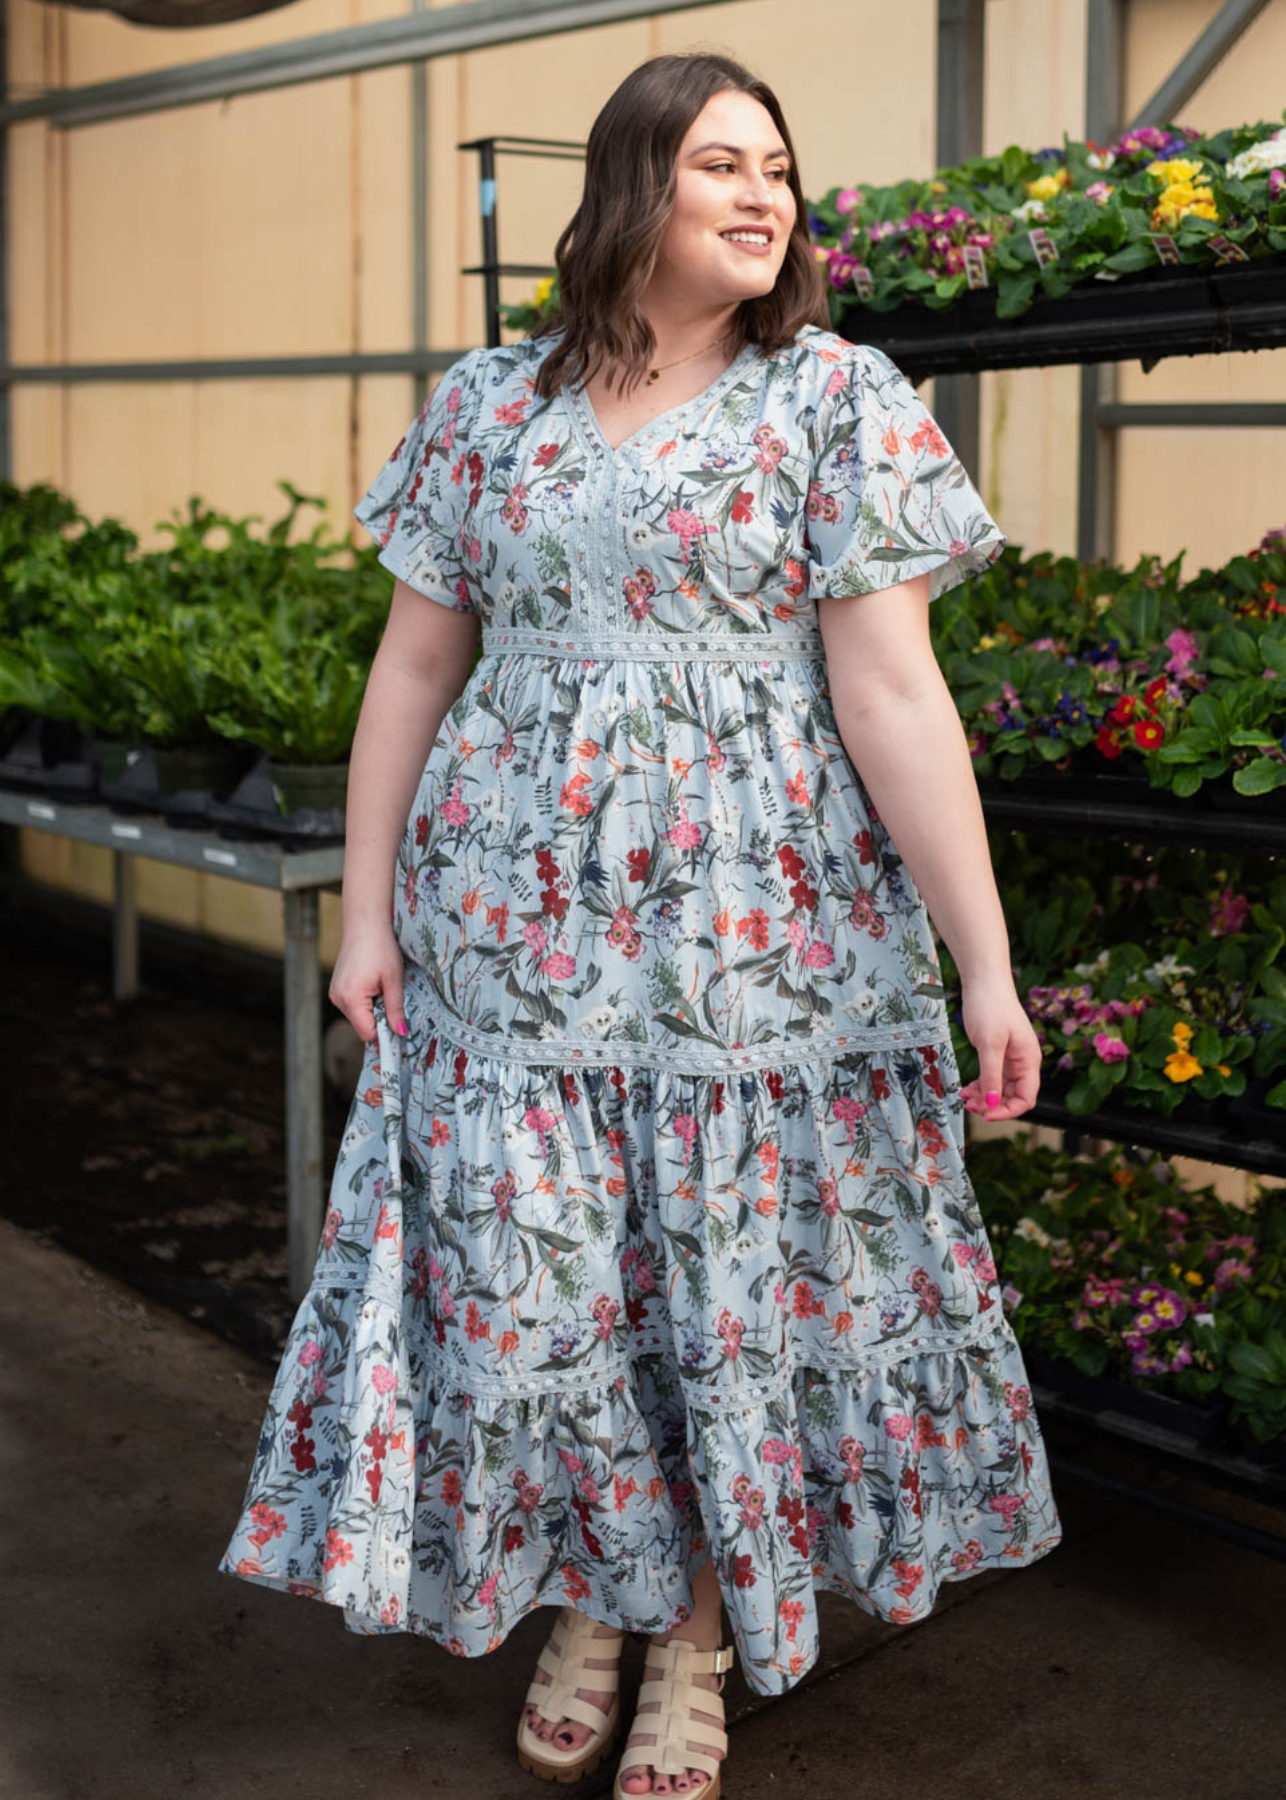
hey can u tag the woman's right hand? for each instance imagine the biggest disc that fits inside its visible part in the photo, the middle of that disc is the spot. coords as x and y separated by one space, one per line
369 963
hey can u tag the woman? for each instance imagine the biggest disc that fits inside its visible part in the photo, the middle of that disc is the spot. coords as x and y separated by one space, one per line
653 1280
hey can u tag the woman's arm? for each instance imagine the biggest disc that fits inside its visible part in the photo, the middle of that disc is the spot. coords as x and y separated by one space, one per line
901 729
900 726
417 674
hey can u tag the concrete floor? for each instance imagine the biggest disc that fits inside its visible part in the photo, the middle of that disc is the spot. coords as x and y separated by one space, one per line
1143 1659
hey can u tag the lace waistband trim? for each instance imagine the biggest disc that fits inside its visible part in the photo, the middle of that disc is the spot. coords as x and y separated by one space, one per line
681 646
717 1059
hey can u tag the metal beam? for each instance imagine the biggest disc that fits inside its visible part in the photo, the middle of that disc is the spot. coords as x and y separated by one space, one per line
959 84
1193 412
472 25
1096 449
224 368
1233 19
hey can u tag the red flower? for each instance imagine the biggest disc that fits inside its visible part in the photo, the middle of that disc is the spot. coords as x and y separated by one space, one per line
301 1415
640 862
1148 733
514 1538
742 1573
1106 742
461 1057
302 1450
742 512
545 455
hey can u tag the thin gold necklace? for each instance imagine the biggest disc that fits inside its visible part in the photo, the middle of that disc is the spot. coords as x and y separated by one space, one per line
692 355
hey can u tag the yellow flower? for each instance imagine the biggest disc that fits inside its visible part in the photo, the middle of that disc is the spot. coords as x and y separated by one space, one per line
1181 1067
937 187
1181 1033
988 642
544 288
1177 168
1222 1068
1174 1268
1046 187
1181 201
1193 1276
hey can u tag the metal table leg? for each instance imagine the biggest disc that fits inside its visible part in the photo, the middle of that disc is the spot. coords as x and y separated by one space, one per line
124 927
304 1198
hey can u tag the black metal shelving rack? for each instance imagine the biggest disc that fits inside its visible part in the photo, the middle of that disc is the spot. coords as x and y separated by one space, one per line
1161 312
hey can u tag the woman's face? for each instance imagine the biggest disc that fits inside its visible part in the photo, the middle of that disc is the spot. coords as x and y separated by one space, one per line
733 211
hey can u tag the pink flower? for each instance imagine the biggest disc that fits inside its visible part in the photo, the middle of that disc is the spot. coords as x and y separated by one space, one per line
848 199
898 1425
559 966
310 1353
383 1380
1110 1049
686 525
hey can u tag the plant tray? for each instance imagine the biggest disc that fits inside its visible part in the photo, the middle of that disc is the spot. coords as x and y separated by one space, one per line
47 757
251 810
1165 311
1202 1423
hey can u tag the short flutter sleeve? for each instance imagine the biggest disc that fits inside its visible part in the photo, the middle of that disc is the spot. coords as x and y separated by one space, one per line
418 507
888 497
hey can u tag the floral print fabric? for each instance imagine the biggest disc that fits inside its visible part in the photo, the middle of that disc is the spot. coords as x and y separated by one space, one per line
653 1240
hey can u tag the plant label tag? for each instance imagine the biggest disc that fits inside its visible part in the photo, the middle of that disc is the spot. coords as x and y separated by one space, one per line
1165 247
975 266
1228 251
863 281
1044 246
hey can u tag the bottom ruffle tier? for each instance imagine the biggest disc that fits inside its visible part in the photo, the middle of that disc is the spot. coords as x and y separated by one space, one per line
570 1335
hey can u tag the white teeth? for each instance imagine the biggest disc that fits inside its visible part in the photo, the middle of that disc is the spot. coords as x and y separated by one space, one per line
745 237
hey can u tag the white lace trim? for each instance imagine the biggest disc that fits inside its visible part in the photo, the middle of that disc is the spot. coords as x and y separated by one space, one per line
702 1395
820 1046
680 646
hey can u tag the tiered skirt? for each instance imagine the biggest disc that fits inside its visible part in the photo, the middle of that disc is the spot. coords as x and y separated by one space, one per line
573 1331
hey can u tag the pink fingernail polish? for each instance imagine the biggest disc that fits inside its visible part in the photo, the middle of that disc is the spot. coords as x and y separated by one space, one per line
402 1028
993 1099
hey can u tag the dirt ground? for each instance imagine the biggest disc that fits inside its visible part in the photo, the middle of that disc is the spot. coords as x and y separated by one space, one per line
148 1136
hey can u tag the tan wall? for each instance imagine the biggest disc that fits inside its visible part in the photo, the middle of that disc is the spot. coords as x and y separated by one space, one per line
280 222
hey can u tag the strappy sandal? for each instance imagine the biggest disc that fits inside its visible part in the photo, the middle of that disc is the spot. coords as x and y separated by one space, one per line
675 1721
565 1660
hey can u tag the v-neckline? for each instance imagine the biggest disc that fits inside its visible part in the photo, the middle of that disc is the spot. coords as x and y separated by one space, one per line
590 418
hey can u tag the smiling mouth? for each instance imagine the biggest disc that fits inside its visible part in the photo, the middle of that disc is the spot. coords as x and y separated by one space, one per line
748 234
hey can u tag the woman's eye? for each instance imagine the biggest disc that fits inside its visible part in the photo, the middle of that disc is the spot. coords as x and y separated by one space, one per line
781 173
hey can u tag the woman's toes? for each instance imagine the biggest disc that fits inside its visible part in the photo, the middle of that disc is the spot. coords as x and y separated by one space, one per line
637 1781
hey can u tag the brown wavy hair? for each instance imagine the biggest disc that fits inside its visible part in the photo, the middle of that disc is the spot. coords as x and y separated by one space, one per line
608 249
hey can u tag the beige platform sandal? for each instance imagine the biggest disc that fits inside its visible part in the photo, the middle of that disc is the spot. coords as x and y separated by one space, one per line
564 1659
674 1723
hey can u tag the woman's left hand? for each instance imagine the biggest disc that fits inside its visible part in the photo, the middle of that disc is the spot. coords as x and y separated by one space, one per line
997 1026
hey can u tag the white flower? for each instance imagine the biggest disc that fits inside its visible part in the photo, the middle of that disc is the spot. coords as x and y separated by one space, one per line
1270 154
1100 159
1030 209
1096 967
1167 968
1028 1228
932 1222
506 594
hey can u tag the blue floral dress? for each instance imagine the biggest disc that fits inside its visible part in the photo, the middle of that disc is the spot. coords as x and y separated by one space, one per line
653 1241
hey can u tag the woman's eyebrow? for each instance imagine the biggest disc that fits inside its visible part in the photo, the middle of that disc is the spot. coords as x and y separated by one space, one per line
737 150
